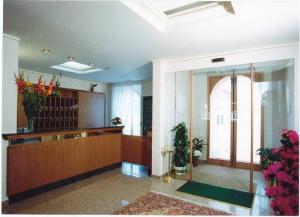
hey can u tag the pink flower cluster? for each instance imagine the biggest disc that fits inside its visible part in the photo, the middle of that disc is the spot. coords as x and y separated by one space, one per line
284 176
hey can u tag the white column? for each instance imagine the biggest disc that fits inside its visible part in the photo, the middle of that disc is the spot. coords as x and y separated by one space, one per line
158 117
9 98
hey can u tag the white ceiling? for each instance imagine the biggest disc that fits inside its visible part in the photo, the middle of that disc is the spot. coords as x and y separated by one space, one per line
110 34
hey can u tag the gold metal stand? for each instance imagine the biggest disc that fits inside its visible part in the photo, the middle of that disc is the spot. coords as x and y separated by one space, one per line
168 150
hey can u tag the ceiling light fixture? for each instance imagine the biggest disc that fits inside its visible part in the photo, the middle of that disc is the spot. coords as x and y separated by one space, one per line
44 50
71 58
91 63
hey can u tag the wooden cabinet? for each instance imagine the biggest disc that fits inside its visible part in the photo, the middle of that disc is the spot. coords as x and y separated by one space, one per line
35 165
91 109
137 149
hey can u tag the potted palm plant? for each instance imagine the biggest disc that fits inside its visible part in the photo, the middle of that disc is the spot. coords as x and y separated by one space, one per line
181 145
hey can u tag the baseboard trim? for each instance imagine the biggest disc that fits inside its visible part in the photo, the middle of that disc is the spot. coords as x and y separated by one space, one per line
54 185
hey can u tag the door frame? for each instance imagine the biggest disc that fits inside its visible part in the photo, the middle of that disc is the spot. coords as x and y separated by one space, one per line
212 81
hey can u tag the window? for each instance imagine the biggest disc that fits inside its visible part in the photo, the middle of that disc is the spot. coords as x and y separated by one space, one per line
126 104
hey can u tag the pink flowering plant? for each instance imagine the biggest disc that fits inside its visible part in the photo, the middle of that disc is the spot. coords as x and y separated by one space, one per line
282 171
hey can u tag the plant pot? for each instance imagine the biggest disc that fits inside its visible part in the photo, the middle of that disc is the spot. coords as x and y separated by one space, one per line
179 170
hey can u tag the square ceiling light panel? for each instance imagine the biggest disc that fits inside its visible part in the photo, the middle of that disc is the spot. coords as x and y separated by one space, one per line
76 67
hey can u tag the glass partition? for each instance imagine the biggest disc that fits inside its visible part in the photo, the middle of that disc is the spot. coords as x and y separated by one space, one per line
274 88
182 105
226 112
275 83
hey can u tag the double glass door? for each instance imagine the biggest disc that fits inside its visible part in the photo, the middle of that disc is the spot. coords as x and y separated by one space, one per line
229 98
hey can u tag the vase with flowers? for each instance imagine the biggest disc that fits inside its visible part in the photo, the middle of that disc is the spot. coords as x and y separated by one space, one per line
34 96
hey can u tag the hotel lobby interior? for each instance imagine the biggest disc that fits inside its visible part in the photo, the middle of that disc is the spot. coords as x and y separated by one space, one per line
150 107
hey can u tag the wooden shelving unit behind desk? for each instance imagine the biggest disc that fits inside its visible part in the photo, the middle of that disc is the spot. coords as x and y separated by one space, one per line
72 110
59 112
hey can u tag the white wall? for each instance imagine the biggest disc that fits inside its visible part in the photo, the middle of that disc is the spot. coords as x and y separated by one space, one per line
9 95
162 90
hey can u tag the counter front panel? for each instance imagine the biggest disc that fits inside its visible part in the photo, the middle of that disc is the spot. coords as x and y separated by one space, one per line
56 156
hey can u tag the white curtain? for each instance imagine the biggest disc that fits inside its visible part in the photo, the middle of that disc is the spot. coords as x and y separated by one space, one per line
126 104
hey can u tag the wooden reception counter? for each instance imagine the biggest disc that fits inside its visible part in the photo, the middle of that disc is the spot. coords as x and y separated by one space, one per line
38 159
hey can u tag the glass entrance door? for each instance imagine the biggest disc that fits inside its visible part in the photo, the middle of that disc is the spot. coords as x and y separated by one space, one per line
230 119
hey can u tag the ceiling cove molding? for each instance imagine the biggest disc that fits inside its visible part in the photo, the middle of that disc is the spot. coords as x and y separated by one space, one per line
11 37
147 11
213 55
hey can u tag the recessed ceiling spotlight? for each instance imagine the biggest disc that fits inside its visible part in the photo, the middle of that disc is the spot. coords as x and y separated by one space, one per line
44 50
71 58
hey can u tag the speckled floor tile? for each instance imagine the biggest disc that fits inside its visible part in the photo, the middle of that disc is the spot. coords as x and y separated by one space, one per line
108 192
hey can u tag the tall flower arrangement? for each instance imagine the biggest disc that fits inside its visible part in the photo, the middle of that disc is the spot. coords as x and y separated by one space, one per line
34 96
283 174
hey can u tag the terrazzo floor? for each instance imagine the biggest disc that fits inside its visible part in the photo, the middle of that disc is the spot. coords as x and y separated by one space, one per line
108 192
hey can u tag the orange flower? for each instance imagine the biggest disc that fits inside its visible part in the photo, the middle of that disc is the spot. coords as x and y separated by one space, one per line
49 91
42 89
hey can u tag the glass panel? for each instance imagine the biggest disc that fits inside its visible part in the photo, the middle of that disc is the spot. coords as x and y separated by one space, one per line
274 89
243 120
220 119
182 115
275 84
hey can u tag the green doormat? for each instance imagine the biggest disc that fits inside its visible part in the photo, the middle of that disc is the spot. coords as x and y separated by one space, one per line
227 195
